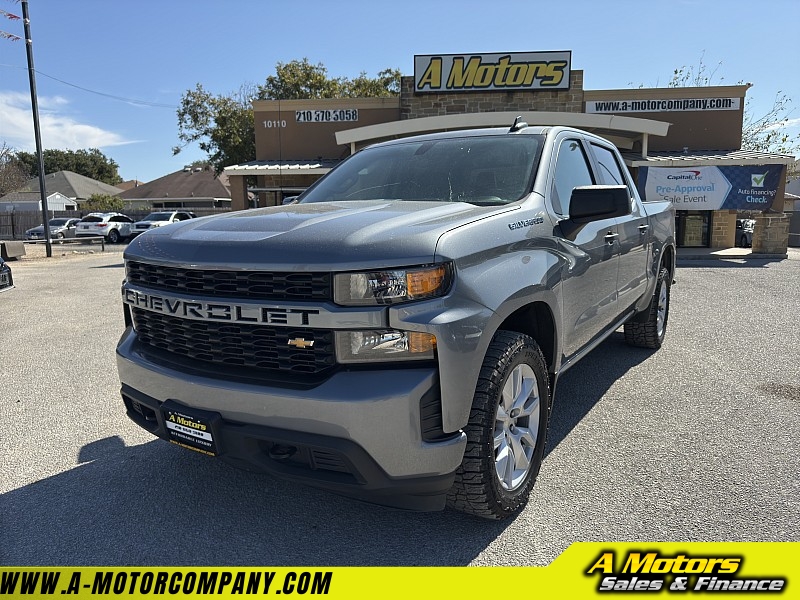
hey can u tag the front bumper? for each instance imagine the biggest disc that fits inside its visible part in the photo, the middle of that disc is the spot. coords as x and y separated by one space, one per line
359 433
6 279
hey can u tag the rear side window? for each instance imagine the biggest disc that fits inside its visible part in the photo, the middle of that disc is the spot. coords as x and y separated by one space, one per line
572 170
610 172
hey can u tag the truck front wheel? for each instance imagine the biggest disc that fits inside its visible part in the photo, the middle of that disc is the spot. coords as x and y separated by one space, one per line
507 429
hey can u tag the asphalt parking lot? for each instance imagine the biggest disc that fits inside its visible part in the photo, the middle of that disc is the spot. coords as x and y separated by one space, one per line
696 442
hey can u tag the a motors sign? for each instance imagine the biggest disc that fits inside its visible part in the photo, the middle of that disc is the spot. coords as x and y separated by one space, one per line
499 71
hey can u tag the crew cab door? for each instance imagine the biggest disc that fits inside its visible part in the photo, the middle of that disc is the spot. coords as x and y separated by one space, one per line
633 229
591 251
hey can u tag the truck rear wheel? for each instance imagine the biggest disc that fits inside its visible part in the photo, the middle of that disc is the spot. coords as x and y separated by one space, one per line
507 429
651 332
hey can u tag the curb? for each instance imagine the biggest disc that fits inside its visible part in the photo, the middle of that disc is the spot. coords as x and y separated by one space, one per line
732 257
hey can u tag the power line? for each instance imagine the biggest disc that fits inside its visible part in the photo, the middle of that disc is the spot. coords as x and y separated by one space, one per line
112 96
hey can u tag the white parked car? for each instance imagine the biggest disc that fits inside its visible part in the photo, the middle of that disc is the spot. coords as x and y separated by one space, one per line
159 219
112 225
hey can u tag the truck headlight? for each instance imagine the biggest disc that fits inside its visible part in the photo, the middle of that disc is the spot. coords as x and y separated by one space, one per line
385 345
392 286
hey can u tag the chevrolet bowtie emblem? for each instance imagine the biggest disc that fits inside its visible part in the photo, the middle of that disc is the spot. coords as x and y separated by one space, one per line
301 343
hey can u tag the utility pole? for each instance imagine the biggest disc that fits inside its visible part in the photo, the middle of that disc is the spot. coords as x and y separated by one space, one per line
35 107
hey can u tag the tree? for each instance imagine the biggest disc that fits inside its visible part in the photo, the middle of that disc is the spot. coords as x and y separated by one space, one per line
300 80
765 133
768 132
13 175
103 203
223 127
90 163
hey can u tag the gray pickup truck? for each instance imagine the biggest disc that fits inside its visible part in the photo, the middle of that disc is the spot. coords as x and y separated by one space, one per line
397 333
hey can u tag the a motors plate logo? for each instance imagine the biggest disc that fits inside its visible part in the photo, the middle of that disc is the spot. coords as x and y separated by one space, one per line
501 71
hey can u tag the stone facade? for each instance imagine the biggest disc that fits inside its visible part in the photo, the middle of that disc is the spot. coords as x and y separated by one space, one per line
723 228
771 233
415 106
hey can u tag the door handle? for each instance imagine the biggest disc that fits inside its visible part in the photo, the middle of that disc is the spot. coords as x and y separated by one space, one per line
611 236
643 228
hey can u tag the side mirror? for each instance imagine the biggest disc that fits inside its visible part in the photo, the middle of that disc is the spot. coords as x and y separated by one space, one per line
597 202
289 200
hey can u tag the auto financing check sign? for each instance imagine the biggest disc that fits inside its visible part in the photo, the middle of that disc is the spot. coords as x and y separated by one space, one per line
712 188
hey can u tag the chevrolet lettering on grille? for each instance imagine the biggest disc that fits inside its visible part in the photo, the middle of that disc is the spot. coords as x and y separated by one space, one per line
254 314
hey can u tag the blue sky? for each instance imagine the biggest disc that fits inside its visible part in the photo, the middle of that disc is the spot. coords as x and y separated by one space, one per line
154 50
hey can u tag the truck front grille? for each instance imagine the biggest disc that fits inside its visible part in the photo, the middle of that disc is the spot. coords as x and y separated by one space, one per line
263 285
258 347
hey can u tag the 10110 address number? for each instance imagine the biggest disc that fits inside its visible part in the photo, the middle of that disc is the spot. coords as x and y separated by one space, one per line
326 116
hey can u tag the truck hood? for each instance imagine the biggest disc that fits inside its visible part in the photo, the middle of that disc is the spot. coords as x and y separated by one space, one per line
318 236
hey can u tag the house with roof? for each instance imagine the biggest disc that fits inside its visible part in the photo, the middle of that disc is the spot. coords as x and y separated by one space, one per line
192 187
32 202
74 186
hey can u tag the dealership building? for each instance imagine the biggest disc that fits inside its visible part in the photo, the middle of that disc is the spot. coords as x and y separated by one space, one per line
681 144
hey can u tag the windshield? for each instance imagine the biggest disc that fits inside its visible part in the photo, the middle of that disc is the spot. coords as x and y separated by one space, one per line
57 222
159 216
495 169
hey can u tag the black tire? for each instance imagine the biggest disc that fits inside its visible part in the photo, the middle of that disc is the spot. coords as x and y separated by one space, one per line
60 237
478 488
113 236
650 333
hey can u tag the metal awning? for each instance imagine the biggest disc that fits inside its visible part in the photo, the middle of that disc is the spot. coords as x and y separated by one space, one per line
281 167
622 131
276 188
706 158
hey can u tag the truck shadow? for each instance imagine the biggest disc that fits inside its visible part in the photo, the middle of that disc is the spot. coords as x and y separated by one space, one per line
748 263
155 504
580 388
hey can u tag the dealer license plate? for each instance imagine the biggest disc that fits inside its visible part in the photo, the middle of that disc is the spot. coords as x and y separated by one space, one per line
191 428
4 279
